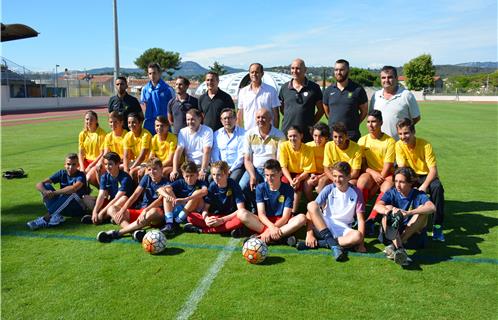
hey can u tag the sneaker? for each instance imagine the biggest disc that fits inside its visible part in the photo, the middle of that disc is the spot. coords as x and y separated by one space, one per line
138 235
238 233
389 251
86 219
338 253
437 233
188 227
37 223
401 258
169 229
55 219
301 245
107 236
291 241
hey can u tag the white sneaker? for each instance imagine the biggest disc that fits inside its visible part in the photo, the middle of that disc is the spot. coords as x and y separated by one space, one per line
401 257
55 219
37 223
389 251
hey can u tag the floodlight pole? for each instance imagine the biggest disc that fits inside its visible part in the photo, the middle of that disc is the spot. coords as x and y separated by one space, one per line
56 85
116 43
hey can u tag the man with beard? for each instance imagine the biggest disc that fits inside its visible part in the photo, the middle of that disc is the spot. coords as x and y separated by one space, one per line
122 102
345 101
395 102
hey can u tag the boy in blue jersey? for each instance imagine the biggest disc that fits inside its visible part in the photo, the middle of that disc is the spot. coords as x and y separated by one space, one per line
146 212
115 188
333 212
413 208
274 201
182 197
222 203
68 200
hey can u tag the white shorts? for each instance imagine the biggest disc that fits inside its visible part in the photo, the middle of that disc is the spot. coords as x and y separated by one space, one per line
338 228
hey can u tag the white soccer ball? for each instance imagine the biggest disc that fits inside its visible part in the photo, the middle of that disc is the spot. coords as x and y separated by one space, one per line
255 250
154 242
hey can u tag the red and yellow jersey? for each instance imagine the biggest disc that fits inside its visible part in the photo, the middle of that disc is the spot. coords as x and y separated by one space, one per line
351 155
377 151
163 149
420 158
135 144
296 161
91 143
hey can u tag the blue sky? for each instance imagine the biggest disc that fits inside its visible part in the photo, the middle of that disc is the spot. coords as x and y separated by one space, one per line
79 34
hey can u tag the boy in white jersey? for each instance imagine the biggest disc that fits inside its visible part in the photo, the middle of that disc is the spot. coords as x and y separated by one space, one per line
333 212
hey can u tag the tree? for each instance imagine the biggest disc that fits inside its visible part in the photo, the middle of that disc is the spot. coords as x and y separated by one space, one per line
218 68
364 77
167 59
419 72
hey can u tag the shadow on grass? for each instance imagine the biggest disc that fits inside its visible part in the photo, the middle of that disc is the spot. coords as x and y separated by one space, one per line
271 260
171 251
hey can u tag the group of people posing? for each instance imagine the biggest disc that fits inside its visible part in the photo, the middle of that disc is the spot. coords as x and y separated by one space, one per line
213 169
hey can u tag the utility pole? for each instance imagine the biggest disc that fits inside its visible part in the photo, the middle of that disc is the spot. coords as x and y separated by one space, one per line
116 44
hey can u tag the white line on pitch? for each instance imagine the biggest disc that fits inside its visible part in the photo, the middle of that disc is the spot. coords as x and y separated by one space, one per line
196 296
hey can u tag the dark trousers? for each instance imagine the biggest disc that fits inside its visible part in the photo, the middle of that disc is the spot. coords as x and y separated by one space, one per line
436 193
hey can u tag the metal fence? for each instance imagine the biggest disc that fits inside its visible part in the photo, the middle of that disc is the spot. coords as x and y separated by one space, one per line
24 83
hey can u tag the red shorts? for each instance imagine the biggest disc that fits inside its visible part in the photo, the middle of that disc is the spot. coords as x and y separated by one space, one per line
134 213
273 220
293 175
86 163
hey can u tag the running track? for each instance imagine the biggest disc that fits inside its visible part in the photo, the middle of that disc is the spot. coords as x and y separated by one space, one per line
46 115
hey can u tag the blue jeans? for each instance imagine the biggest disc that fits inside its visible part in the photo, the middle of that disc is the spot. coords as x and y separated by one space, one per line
246 188
64 204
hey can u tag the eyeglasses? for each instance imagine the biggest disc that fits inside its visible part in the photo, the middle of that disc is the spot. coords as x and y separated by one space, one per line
299 97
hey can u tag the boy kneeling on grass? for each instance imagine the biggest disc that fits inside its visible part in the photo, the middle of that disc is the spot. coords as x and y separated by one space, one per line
115 188
147 212
333 212
405 211
182 197
274 222
70 199
223 202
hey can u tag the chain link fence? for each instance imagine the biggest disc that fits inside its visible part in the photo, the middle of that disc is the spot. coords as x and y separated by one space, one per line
24 83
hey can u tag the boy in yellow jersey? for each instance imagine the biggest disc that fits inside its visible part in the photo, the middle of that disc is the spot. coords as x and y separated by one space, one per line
378 151
90 146
317 179
417 154
297 161
163 144
342 149
136 145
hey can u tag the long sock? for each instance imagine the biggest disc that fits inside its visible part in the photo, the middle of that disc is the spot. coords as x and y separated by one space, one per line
328 237
366 194
373 213
182 217
169 217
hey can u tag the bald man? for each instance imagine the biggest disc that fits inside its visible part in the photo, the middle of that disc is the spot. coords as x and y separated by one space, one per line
301 101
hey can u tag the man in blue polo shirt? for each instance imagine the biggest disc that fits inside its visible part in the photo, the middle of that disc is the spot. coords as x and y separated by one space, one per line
345 101
274 199
155 96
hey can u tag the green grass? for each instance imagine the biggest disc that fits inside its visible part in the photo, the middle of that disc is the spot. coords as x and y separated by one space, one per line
62 273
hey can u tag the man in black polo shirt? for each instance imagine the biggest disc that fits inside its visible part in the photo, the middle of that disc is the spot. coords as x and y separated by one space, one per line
345 101
178 106
213 101
122 102
298 98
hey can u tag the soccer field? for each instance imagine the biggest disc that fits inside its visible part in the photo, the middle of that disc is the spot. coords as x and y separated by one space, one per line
64 273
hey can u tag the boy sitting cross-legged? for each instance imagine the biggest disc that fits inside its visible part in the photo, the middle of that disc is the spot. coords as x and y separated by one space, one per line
182 197
274 200
222 203
147 212
115 188
332 214
68 200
